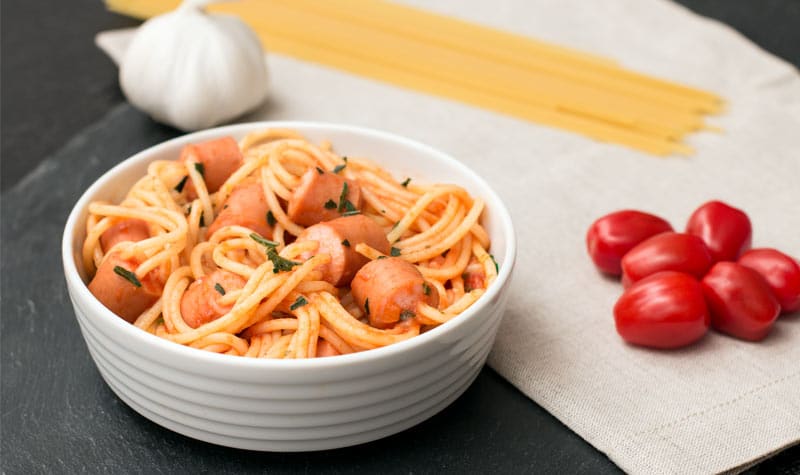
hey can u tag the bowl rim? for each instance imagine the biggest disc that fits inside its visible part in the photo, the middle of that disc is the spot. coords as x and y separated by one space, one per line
140 338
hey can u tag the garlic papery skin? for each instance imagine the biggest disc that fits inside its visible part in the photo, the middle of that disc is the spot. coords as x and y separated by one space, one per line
194 70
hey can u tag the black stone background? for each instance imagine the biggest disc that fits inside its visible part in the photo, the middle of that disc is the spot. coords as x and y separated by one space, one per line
58 416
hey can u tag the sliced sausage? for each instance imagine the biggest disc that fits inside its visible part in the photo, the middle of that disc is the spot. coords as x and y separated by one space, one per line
474 277
246 206
317 198
122 296
389 290
219 157
326 349
200 303
126 230
338 238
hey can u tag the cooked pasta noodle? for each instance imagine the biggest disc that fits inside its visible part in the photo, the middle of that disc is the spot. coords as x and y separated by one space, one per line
284 307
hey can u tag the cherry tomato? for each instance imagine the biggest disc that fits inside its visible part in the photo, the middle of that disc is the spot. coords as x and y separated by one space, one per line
740 301
726 230
664 310
781 272
613 235
666 251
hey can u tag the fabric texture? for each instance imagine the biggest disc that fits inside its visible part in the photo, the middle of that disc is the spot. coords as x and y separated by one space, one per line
719 405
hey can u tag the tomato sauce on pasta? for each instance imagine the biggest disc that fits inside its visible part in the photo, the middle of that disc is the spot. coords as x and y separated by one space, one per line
274 247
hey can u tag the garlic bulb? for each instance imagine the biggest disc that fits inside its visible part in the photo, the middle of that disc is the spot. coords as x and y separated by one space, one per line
193 70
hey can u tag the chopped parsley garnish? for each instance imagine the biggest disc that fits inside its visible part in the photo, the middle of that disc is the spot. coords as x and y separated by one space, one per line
395 252
366 306
346 243
339 168
271 218
181 184
343 197
426 289
330 204
202 219
320 170
406 182
406 314
381 257
351 213
496 267
301 301
219 288
127 275
264 242
200 169
279 263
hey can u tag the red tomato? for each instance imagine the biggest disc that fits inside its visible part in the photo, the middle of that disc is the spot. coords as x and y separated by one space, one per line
664 310
781 272
740 301
613 235
666 251
726 230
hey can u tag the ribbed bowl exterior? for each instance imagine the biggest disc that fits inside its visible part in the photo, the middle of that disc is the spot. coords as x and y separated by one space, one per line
277 405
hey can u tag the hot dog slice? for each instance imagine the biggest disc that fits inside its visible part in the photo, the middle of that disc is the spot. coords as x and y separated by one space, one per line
338 238
120 294
319 198
126 230
326 349
200 303
246 206
474 277
219 157
389 290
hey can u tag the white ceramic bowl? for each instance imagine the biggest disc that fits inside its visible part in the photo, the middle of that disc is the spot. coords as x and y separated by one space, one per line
294 405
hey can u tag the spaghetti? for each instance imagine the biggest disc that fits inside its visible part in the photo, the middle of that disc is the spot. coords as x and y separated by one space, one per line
477 65
202 275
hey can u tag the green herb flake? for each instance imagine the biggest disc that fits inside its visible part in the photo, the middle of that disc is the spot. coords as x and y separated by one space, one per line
366 306
346 243
320 171
405 182
181 184
349 207
496 266
426 289
264 242
127 275
219 288
343 197
200 169
271 219
339 168
279 264
395 252
381 257
202 219
330 204
301 301
406 314
351 213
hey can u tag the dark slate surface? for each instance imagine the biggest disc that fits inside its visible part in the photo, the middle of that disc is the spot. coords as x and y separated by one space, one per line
57 415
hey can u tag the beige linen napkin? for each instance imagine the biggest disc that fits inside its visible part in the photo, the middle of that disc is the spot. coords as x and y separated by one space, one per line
716 406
